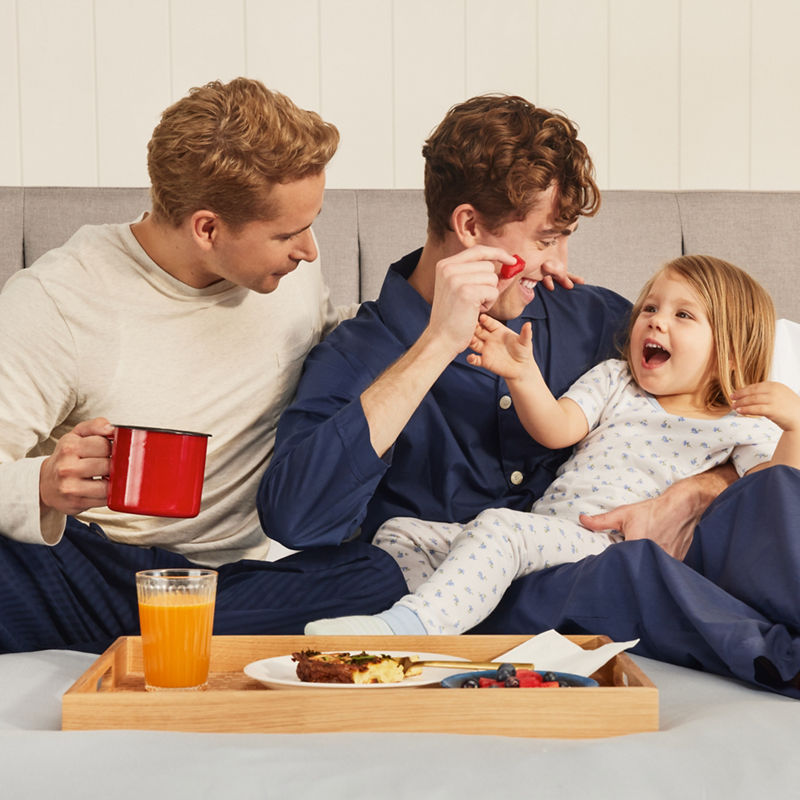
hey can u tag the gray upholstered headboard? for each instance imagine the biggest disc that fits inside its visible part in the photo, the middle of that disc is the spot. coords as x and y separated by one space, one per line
361 231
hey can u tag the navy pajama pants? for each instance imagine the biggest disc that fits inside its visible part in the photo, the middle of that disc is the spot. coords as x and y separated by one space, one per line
81 593
731 607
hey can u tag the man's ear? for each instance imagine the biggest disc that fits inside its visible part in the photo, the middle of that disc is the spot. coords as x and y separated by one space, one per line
465 222
204 227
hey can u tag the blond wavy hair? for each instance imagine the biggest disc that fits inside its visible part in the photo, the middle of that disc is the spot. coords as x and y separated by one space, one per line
742 318
499 153
224 145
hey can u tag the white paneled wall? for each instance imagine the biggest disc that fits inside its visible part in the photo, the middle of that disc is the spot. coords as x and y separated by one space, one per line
356 90
644 91
10 154
716 61
775 95
668 94
132 86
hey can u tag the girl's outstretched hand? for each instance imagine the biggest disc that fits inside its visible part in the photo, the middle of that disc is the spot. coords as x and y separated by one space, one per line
499 349
772 400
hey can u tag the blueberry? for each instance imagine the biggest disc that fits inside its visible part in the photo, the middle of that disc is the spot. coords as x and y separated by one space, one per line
505 671
563 682
512 682
470 683
549 676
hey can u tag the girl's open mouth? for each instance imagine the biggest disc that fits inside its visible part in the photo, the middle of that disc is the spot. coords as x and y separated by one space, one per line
654 354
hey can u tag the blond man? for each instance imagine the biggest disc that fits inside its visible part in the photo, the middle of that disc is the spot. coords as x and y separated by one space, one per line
195 316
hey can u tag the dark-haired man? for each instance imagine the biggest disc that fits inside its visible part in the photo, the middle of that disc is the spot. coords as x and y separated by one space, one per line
390 420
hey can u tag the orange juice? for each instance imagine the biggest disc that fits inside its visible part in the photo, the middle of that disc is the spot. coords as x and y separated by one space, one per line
176 639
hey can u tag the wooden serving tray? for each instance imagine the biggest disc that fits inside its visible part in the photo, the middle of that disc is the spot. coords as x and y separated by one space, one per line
111 694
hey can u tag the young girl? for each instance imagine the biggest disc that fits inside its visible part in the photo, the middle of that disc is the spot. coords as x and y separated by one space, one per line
691 394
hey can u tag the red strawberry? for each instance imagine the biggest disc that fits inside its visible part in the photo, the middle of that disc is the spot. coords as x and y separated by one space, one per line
510 270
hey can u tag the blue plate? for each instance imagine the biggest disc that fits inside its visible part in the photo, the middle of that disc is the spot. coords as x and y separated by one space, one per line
455 681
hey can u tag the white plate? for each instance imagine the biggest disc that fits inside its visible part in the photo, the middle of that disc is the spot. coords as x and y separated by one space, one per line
280 672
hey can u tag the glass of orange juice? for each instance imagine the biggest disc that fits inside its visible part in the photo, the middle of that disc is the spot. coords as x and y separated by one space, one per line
176 615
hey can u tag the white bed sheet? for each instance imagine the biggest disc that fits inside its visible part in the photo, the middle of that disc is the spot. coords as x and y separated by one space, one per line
717 739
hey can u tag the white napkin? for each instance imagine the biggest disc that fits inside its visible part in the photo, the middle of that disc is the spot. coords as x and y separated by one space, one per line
552 651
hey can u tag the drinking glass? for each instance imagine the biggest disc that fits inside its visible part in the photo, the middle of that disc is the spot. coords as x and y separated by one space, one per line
176 614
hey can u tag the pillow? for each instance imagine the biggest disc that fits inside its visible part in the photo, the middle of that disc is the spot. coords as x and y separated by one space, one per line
786 356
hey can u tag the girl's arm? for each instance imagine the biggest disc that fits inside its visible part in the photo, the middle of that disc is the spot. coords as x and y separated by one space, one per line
553 423
776 402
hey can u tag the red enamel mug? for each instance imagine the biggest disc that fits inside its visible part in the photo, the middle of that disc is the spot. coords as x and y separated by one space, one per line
156 471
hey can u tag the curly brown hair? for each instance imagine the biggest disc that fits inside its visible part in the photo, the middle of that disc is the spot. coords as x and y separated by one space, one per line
224 145
499 153
742 318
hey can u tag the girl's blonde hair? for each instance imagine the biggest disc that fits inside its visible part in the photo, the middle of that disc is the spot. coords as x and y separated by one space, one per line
742 318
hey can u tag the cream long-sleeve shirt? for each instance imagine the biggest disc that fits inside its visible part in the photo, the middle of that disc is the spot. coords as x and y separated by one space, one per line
96 328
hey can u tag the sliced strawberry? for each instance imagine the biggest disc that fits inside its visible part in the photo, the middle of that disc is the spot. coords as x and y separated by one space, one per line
510 270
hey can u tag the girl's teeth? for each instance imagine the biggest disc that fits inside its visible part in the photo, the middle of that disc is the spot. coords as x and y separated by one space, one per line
655 353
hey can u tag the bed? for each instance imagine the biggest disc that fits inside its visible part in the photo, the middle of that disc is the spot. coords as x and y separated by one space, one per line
716 737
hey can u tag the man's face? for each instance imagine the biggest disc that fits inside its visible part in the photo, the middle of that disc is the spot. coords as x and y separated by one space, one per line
261 252
541 243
